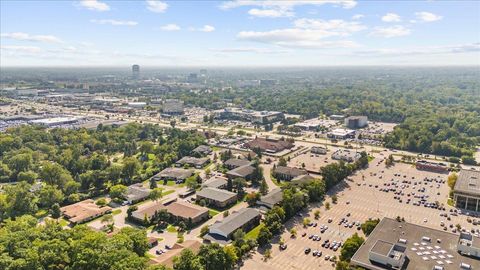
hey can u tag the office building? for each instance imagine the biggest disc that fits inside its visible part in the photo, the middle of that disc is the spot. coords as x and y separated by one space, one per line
356 121
466 192
136 72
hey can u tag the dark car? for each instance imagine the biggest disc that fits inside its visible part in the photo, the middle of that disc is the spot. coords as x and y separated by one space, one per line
307 250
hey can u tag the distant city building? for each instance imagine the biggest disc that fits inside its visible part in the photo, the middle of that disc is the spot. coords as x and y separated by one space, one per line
466 192
203 72
173 107
356 121
257 117
136 71
192 78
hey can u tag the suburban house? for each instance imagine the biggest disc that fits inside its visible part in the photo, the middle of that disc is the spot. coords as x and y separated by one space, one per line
202 150
234 163
175 174
287 173
222 231
273 198
217 197
136 193
216 182
180 210
193 162
84 211
244 172
269 145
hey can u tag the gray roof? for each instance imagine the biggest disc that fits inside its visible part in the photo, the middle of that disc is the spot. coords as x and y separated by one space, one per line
235 220
305 178
216 194
389 230
236 162
202 149
178 173
243 171
137 192
292 171
273 197
468 182
215 182
193 161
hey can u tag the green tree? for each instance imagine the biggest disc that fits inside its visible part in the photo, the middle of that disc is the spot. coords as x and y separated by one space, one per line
118 191
156 194
187 261
50 195
369 225
264 236
263 187
350 246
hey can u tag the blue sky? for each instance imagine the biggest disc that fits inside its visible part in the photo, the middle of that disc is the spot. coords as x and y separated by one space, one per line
239 33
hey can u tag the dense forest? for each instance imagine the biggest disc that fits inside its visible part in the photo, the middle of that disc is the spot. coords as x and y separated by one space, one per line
77 164
439 108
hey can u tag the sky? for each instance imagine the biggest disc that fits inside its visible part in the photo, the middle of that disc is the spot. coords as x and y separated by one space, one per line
239 33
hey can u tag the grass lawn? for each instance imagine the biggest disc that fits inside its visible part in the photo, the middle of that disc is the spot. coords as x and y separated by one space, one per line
62 222
171 183
171 229
116 211
213 212
370 158
165 193
254 232
41 213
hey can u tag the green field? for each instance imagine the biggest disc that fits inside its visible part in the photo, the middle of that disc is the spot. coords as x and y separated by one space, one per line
253 234
213 212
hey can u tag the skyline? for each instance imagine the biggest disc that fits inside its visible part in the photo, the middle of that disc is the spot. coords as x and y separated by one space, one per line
239 33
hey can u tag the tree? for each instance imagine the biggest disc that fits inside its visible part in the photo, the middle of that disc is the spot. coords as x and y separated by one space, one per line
19 200
153 183
327 205
469 160
452 180
252 198
264 236
334 199
191 182
317 214
267 254
282 162
350 246
204 230
118 191
156 194
50 195
263 187
214 257
239 185
55 211
27 176
369 225
130 168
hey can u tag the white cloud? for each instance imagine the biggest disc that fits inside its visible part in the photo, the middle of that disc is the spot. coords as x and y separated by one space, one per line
157 6
170 27
115 22
28 37
21 49
391 17
248 50
94 5
270 13
427 16
358 16
389 32
307 34
206 28
428 50
286 4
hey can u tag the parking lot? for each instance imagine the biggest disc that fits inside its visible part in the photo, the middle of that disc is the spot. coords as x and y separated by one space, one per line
361 197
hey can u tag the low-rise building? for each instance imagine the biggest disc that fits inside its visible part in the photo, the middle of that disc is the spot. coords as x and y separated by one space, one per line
235 163
175 174
193 161
431 166
318 150
466 192
180 210
216 182
222 231
202 150
341 134
136 193
273 198
356 121
173 107
469 245
257 117
401 245
269 145
287 173
245 172
84 211
346 155
217 197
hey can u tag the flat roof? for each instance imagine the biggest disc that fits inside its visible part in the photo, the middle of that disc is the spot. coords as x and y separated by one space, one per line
216 182
382 247
421 255
468 182
273 197
186 210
